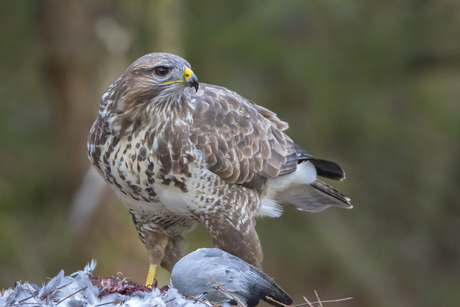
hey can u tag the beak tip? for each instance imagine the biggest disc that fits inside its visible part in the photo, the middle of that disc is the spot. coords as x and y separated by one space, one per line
190 79
194 82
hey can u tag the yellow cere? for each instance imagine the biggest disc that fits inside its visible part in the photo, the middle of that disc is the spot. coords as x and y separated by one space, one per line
187 74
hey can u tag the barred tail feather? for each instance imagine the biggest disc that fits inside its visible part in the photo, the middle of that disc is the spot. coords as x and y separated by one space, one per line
314 197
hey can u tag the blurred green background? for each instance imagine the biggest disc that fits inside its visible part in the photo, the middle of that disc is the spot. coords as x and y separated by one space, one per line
373 85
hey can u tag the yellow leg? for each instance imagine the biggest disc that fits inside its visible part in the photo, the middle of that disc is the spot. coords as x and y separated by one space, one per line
156 243
151 275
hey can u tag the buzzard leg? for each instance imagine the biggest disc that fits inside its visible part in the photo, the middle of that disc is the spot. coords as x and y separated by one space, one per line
156 243
238 239
173 252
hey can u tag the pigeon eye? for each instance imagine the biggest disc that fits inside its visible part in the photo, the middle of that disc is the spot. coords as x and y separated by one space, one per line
161 71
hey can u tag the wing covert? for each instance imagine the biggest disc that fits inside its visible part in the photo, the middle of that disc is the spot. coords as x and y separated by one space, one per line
243 143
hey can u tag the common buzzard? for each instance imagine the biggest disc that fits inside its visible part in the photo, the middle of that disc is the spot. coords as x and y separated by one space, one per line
178 153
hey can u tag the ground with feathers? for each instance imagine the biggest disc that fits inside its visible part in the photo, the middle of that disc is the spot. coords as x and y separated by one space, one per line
83 289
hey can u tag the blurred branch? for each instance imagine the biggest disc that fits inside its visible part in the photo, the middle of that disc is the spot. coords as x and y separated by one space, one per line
85 201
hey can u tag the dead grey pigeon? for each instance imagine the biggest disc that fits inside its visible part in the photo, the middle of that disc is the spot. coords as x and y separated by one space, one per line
192 276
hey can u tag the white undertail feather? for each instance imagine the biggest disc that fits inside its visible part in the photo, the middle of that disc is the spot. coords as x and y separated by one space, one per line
270 208
303 175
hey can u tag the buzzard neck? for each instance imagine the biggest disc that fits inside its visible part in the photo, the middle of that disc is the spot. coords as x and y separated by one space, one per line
174 107
171 120
172 110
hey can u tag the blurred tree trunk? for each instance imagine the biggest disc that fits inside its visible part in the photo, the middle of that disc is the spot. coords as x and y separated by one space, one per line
68 33
169 28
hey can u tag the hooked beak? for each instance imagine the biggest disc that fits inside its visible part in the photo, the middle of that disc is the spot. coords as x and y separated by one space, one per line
190 79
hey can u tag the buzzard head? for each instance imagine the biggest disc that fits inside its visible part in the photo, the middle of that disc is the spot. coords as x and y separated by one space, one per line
159 75
154 85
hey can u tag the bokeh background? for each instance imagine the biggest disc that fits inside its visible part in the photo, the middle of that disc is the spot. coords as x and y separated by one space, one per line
373 85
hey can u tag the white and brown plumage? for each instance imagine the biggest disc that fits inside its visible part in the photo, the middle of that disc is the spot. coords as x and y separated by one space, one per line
177 155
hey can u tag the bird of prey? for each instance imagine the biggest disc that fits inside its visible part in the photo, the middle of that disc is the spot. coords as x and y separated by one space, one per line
178 153
222 278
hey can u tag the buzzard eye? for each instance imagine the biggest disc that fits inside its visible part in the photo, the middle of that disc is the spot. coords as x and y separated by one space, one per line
161 71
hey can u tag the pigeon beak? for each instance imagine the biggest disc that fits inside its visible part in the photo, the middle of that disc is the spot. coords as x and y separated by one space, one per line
190 78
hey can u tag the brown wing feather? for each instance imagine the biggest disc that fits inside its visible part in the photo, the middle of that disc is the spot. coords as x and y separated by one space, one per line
243 142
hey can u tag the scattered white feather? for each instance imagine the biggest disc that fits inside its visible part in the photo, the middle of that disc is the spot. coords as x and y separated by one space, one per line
77 290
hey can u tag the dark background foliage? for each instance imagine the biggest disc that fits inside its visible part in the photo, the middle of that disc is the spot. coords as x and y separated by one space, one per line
372 85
